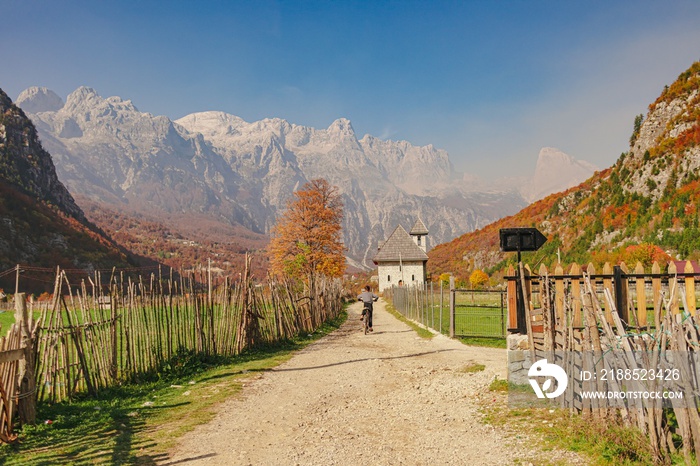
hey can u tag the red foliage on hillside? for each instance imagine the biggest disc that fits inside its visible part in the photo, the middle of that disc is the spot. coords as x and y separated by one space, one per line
181 242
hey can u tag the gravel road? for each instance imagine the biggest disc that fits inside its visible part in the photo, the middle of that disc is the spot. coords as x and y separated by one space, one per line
387 398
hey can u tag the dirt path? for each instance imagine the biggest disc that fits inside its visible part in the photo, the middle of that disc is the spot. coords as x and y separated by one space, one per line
388 398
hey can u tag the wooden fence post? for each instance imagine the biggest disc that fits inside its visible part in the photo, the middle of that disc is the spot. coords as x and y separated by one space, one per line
656 292
26 405
607 285
621 292
559 293
575 272
641 296
673 288
452 306
689 288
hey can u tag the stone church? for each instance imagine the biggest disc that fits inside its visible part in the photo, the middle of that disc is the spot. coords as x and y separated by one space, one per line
402 258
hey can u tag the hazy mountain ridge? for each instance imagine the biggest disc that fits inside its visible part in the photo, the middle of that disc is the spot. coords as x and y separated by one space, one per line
555 172
651 195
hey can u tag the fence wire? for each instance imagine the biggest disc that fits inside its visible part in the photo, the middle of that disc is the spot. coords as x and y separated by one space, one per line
475 313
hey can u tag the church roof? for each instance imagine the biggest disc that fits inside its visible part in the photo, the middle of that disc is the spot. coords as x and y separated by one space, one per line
400 246
419 228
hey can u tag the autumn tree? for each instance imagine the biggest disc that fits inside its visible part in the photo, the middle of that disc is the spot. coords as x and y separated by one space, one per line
478 278
306 241
647 254
445 278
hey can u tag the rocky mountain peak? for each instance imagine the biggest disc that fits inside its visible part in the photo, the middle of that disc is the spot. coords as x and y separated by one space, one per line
39 99
87 100
24 162
342 126
83 96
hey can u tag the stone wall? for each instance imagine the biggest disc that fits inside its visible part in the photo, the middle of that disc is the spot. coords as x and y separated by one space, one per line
519 358
389 274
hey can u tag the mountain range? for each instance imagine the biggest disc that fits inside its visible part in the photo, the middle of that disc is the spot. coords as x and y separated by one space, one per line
645 207
212 176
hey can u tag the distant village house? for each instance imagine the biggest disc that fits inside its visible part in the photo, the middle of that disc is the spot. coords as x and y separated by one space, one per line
402 258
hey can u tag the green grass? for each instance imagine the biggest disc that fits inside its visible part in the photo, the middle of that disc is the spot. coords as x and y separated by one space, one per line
488 342
421 331
599 443
7 318
139 424
477 314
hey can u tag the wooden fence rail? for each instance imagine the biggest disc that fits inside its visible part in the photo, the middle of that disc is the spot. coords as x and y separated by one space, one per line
635 293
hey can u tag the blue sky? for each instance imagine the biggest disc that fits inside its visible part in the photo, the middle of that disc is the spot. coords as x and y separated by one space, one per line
491 82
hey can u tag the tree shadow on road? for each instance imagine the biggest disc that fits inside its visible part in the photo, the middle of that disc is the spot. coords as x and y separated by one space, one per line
352 361
393 331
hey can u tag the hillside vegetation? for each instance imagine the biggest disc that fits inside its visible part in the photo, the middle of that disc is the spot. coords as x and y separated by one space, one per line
645 207
180 243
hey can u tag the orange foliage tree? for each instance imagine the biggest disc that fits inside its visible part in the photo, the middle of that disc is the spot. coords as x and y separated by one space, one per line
647 254
306 241
478 278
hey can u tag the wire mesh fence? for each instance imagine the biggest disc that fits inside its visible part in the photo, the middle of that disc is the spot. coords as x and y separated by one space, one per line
457 312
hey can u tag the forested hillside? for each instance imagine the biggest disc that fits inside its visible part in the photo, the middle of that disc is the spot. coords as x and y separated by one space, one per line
645 207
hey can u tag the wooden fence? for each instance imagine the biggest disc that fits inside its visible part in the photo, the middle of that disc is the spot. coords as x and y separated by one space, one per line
17 387
640 319
451 311
89 341
95 335
634 293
